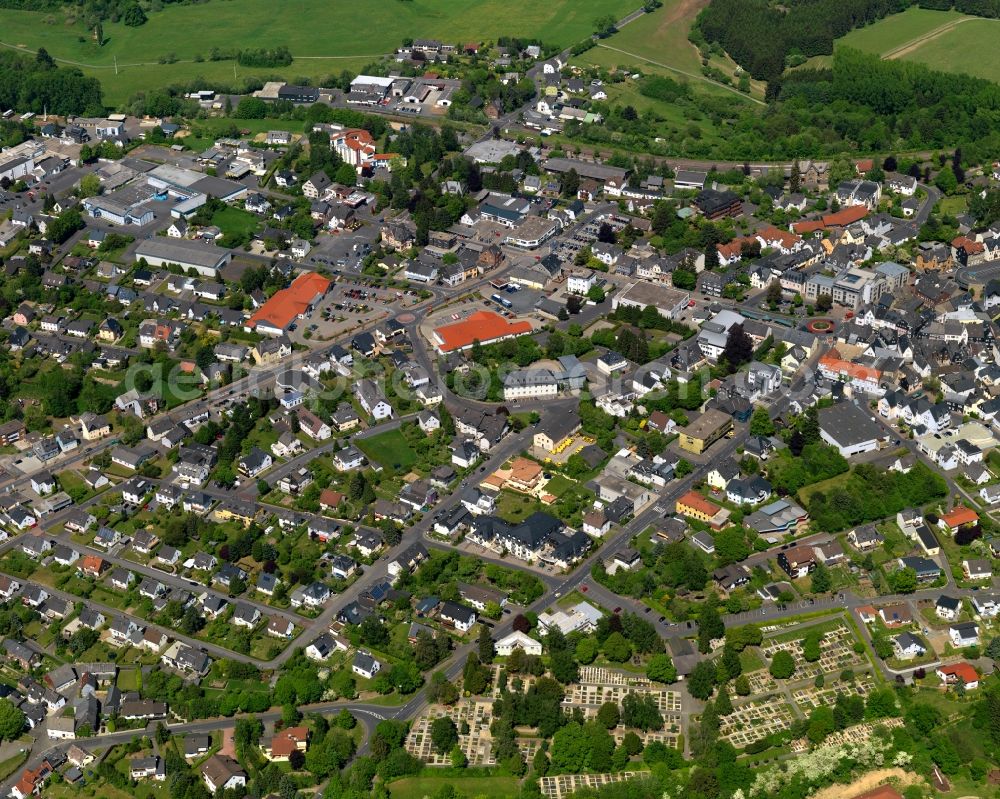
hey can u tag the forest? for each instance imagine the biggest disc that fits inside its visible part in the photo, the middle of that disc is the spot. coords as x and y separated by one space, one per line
760 35
765 38
861 104
38 85
871 494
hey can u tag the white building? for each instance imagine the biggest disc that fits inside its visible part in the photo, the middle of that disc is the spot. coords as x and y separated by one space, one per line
529 383
518 640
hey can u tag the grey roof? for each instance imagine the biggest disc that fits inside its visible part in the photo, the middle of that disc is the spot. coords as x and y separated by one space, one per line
181 251
848 425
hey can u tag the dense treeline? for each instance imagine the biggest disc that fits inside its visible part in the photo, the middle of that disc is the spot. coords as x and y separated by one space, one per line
903 104
977 8
760 35
860 105
661 88
264 57
91 12
37 84
870 494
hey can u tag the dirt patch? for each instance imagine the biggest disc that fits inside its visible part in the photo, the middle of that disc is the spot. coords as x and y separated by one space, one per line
684 10
228 742
868 782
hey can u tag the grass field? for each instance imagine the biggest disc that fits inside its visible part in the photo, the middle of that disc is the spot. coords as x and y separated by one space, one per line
236 222
960 49
826 486
390 449
324 38
419 787
658 43
945 40
11 764
897 30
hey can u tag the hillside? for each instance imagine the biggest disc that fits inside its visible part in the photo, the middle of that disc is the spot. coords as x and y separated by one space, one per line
945 40
163 51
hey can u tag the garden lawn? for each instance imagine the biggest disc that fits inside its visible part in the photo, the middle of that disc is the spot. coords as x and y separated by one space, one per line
559 485
390 449
235 222
11 764
73 484
514 507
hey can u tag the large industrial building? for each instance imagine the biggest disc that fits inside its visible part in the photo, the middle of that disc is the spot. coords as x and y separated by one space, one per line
205 259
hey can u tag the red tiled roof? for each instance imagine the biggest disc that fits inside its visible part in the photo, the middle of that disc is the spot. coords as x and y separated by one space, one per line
330 497
971 246
808 226
799 555
484 326
848 216
842 218
960 515
92 564
695 501
282 309
965 672
856 371
786 238
733 248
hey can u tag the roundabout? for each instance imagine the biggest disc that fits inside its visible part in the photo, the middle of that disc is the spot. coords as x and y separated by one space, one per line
820 326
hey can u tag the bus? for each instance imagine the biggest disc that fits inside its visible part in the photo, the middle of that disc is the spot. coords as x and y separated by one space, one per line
501 301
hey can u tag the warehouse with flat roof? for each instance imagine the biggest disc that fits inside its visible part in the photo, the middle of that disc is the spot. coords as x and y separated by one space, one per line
205 259
669 302
705 430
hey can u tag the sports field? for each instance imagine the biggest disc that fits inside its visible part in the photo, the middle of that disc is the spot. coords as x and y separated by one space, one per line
945 40
324 37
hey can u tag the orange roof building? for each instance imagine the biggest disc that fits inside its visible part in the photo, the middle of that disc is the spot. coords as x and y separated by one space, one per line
848 216
91 564
733 250
695 506
281 746
276 315
524 474
784 240
485 327
967 245
834 366
959 516
963 671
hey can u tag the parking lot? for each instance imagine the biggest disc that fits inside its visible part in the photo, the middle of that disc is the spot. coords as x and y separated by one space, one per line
346 250
350 303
